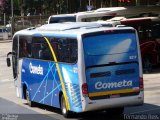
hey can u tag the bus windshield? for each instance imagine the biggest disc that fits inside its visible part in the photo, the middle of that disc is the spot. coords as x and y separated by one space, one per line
62 19
109 44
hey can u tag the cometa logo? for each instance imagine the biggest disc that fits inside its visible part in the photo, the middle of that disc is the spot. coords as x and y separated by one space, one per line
35 69
124 83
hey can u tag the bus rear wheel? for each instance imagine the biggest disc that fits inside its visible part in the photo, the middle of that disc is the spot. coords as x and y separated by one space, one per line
66 113
29 102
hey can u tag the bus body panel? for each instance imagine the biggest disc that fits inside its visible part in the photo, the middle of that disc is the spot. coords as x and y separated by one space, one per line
112 73
109 80
103 104
18 80
44 84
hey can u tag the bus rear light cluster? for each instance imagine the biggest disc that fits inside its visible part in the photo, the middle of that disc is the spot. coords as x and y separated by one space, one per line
85 89
141 83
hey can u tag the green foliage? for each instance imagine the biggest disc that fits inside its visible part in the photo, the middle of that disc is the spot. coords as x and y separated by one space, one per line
34 7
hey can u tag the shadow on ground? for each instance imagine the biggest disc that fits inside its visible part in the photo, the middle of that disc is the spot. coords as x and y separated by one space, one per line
12 111
131 113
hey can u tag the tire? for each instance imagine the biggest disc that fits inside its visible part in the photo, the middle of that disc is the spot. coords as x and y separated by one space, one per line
29 102
66 113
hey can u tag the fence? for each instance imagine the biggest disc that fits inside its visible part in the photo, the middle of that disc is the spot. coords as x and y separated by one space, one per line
22 22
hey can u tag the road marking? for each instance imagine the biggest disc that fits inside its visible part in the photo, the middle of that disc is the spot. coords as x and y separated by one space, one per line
145 111
5 80
11 87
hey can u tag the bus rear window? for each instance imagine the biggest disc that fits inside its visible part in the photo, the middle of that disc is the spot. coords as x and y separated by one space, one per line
110 44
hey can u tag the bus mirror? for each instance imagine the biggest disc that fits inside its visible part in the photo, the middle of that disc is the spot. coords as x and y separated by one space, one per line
8 62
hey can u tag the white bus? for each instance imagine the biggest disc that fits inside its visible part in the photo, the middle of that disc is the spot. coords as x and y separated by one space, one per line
78 67
106 13
87 16
133 11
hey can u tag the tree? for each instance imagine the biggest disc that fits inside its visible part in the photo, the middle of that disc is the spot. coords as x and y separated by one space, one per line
6 6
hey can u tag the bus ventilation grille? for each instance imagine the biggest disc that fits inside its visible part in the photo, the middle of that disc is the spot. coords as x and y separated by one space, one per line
74 92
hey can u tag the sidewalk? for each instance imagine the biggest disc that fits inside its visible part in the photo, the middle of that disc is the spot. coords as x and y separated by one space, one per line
5 41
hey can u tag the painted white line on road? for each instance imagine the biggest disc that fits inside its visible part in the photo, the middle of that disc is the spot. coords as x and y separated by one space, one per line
11 87
145 111
5 80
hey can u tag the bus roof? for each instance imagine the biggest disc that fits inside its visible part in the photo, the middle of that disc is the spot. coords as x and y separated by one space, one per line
77 17
132 10
80 13
68 29
142 20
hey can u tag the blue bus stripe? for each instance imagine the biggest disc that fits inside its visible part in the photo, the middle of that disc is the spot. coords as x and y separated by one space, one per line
50 93
53 83
54 78
50 68
45 89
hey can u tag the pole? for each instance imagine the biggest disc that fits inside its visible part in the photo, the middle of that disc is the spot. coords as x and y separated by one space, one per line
11 18
4 19
12 7
110 2
137 2
89 3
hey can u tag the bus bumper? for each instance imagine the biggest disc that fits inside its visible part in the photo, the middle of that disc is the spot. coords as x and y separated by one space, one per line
90 105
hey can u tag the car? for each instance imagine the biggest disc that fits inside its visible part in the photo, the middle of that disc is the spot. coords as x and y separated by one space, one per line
2 31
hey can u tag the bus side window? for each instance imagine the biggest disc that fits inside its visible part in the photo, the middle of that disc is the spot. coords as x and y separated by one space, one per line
54 45
45 52
67 50
40 49
36 50
15 56
24 47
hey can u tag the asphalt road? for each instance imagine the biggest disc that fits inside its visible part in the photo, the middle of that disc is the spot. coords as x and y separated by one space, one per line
13 108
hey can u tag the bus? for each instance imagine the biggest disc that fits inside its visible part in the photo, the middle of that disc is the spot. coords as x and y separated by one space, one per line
78 67
133 11
86 16
106 13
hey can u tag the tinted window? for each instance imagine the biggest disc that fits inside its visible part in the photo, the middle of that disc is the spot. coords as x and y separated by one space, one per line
62 19
40 49
65 49
89 19
109 44
15 55
156 31
24 46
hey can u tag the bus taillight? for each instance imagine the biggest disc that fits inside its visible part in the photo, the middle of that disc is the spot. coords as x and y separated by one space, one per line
85 89
141 84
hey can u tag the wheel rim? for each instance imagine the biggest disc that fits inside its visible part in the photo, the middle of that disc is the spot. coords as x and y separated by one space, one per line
27 96
63 106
